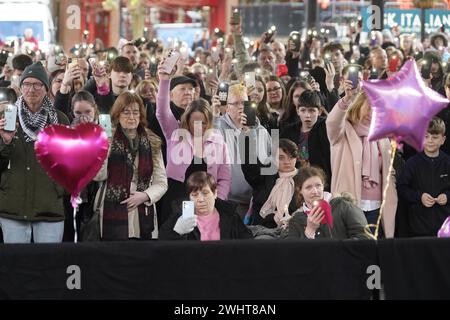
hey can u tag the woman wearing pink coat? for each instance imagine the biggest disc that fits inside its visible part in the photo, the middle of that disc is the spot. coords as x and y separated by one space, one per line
360 166
192 145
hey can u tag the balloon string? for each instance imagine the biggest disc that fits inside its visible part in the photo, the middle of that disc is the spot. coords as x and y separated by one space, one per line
383 202
75 223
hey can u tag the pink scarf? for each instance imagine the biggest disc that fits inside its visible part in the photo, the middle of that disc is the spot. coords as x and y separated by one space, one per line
209 226
281 195
370 158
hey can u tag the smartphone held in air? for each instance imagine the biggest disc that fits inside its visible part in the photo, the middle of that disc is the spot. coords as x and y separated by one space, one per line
250 79
295 38
170 62
270 34
353 76
10 114
72 62
236 17
215 54
153 70
393 64
373 74
223 93
105 123
426 69
188 209
250 112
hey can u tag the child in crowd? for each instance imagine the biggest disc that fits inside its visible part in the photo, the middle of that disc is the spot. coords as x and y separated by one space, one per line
425 184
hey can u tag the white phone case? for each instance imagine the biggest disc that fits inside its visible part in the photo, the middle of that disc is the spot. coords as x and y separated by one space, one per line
215 54
11 117
188 209
171 61
250 80
105 123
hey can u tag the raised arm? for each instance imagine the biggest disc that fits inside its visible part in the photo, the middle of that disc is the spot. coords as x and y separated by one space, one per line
164 115
336 118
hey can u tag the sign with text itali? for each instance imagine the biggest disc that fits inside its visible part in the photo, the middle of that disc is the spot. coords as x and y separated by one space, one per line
409 20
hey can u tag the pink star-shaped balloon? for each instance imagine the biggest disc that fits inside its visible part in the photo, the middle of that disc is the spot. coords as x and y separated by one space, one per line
402 106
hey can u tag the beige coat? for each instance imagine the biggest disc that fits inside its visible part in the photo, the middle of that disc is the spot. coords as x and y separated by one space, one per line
346 163
158 187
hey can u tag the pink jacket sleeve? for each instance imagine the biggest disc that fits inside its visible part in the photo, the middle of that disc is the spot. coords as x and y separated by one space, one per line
336 122
164 115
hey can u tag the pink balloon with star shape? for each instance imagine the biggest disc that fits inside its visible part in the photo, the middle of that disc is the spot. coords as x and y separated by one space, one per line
402 106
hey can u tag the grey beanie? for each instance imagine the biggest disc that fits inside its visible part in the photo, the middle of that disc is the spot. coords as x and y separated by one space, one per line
37 71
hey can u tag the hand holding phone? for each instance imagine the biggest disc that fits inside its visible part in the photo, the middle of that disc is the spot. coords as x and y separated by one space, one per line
72 62
325 206
353 76
250 79
250 112
153 68
170 62
215 54
270 34
223 93
188 209
236 17
10 115
105 123
373 74
295 40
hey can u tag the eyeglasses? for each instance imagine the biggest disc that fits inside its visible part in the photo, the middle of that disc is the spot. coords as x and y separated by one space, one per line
35 85
128 113
273 89
236 104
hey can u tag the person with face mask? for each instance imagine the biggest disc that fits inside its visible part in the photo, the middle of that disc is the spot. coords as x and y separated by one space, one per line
213 219
348 221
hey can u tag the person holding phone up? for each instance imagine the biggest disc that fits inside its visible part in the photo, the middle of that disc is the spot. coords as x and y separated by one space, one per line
211 219
30 201
66 90
192 145
360 166
234 129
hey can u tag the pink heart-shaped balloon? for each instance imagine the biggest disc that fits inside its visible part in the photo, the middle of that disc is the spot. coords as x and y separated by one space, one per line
72 156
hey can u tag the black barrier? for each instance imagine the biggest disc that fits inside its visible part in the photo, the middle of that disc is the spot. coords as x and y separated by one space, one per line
253 270
228 270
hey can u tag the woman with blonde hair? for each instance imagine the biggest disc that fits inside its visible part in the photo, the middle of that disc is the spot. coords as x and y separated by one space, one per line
148 89
192 145
133 175
360 166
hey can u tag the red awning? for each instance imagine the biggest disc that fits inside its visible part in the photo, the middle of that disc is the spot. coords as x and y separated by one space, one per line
182 3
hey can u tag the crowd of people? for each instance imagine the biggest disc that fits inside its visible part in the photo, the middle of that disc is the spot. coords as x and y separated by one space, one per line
255 135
